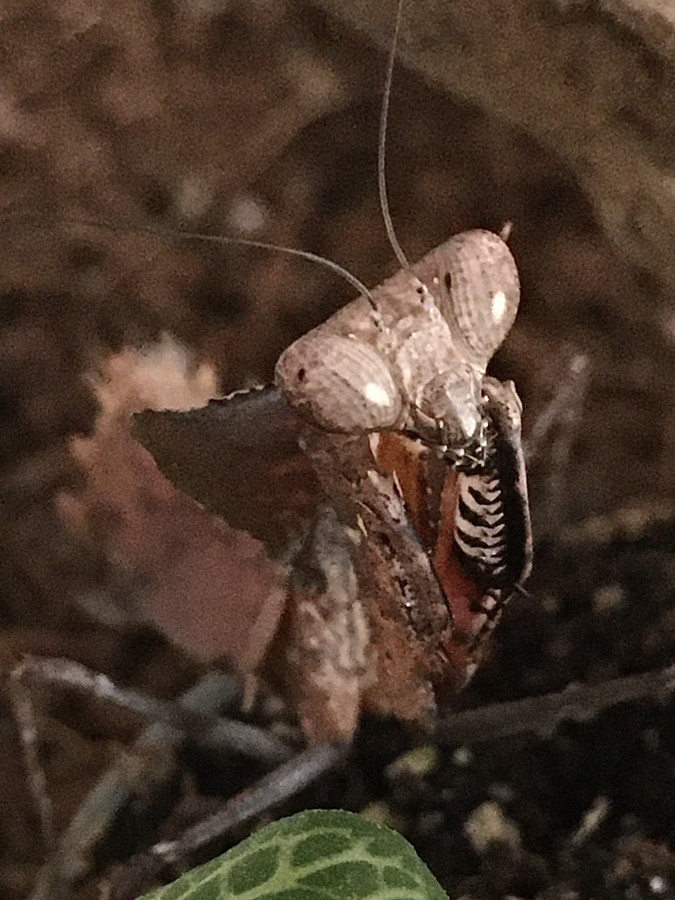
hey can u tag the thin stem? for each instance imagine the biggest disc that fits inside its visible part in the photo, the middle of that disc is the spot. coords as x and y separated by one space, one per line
563 408
24 714
284 782
137 776
543 715
239 737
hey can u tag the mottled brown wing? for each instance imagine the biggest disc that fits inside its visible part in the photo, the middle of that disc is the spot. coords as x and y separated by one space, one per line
238 457
405 653
318 657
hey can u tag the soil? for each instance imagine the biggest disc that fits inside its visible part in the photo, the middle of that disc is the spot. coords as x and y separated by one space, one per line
259 119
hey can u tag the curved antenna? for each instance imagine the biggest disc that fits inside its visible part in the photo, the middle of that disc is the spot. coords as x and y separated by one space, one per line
381 149
223 240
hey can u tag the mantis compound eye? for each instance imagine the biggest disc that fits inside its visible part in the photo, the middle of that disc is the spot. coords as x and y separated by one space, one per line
340 383
479 290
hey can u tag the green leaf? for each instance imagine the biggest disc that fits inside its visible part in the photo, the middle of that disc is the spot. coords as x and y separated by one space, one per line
315 855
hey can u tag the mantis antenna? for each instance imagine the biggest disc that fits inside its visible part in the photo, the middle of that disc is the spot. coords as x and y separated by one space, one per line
382 145
355 282
223 240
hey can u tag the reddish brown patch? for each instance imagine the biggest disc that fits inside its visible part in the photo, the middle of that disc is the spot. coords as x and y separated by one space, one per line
433 517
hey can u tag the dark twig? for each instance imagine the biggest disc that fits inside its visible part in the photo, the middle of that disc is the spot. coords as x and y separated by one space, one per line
623 523
563 409
204 730
284 782
543 715
24 715
561 420
149 763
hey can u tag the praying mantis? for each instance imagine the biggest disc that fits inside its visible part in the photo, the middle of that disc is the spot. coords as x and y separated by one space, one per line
418 529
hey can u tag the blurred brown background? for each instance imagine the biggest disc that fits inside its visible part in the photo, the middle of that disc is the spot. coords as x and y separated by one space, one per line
259 119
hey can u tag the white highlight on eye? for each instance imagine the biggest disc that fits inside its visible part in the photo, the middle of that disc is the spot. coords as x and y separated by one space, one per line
375 393
498 305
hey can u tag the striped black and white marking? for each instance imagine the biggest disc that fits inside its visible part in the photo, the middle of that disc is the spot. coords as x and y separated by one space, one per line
480 527
492 527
